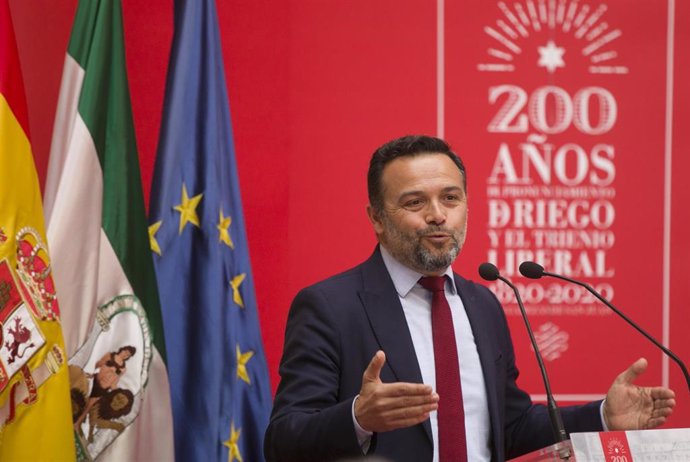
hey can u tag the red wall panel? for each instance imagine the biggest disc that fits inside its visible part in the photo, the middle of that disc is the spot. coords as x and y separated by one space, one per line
316 86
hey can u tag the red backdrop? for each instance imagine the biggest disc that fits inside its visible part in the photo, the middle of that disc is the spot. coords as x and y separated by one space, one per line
316 86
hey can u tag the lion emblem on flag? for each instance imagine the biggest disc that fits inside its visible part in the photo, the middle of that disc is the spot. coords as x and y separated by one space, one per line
108 375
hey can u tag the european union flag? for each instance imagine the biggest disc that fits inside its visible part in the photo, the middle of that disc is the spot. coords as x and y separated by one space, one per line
218 377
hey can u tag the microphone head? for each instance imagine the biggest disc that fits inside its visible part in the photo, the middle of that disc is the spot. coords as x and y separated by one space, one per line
531 270
488 271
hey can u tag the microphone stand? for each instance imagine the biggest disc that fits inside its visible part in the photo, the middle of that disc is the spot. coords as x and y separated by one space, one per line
489 272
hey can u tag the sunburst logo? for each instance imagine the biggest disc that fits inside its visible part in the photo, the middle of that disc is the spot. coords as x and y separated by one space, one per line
552 29
615 447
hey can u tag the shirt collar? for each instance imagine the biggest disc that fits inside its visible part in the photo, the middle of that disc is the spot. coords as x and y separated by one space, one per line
404 278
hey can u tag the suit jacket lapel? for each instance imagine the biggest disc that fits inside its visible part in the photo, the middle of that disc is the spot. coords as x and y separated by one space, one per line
488 355
387 319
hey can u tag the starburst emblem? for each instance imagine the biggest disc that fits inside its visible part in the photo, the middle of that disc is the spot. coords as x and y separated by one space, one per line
551 57
526 20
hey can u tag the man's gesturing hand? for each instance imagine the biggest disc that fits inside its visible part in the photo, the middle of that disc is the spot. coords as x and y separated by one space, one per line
387 406
629 407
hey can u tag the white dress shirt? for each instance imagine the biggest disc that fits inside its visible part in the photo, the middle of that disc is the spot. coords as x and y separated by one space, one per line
416 304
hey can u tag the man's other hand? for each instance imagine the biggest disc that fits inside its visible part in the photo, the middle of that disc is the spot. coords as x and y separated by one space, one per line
629 407
388 406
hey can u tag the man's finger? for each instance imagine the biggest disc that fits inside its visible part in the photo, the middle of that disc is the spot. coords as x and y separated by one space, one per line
653 423
373 371
664 403
662 412
661 393
401 418
402 389
389 403
630 374
410 416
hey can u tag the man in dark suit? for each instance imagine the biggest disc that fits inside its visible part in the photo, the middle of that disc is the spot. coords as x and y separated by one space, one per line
401 358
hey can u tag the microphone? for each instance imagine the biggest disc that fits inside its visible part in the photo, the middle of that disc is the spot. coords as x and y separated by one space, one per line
533 270
489 272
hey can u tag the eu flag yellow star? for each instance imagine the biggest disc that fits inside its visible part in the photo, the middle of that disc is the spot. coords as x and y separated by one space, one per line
232 445
235 284
187 209
153 229
242 360
223 231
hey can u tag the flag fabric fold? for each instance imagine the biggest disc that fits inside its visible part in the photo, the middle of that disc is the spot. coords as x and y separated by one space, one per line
34 382
103 271
219 380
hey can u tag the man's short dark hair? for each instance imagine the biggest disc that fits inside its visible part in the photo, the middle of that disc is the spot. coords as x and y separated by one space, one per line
406 146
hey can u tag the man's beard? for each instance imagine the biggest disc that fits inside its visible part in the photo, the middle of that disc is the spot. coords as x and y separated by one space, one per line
409 249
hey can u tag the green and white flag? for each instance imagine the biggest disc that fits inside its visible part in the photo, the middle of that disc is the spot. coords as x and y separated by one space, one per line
97 234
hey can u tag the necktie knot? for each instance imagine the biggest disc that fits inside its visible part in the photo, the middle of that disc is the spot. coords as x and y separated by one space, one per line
433 283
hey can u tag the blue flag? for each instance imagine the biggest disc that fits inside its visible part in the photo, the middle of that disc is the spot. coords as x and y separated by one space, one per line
219 382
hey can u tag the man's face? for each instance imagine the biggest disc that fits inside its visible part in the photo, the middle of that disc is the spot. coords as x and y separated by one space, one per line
424 217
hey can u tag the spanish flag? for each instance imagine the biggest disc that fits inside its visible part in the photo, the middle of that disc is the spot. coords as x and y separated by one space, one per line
35 409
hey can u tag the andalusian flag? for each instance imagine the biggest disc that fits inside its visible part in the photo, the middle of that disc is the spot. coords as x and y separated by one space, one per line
102 264
35 410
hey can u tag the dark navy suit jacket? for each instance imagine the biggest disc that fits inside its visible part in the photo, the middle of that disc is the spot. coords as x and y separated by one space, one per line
333 330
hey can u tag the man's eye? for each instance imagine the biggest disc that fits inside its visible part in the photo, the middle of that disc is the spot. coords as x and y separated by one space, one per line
413 203
452 197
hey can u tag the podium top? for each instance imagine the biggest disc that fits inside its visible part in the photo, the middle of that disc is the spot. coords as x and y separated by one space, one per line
672 444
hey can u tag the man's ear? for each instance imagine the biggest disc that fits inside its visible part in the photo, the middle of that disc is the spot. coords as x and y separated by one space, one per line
375 219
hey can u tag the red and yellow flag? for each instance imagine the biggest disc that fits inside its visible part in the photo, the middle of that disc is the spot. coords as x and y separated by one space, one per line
35 409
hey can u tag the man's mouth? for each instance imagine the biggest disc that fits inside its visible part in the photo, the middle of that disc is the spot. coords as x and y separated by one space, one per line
437 237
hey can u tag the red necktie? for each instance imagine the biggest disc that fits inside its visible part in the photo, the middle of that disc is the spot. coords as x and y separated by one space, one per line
451 415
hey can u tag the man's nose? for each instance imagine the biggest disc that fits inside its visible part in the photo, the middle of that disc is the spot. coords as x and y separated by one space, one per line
435 213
